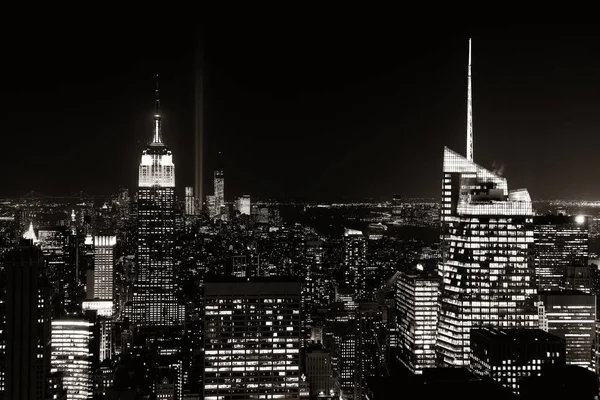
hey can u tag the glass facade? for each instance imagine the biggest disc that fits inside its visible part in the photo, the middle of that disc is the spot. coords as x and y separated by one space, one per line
252 340
572 316
487 248
72 355
560 242
417 313
356 270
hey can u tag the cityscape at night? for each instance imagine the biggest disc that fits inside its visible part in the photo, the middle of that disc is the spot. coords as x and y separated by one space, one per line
215 216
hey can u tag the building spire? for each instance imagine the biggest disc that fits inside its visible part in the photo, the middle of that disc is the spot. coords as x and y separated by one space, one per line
469 110
157 139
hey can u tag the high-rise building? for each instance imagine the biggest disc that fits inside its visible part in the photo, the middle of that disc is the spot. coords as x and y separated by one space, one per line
355 262
319 371
104 276
218 200
561 242
242 204
510 355
416 301
154 294
73 355
252 339
58 246
27 329
190 201
486 246
571 315
487 276
371 341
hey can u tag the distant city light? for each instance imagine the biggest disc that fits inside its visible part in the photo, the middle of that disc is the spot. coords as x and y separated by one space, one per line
580 219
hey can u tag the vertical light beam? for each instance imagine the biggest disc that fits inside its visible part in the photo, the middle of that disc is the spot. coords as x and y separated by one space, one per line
199 123
469 110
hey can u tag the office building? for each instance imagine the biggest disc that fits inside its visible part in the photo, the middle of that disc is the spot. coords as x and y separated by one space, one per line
73 354
416 301
154 293
356 270
571 315
561 242
511 355
487 242
252 339
104 276
27 323
190 201
319 371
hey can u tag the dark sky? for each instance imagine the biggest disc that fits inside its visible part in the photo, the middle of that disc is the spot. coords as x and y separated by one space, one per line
304 110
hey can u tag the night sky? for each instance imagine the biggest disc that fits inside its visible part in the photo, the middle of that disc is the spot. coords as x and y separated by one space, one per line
307 111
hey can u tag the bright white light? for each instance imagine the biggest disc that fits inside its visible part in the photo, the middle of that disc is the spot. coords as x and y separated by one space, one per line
580 219
420 267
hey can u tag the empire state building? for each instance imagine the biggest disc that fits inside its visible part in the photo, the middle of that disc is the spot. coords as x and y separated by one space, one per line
154 295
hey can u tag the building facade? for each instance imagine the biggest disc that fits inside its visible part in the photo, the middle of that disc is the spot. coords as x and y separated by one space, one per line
73 355
561 242
27 324
416 300
154 294
486 269
571 315
252 339
510 355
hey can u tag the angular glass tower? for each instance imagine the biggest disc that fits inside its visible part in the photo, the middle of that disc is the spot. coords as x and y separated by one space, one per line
487 247
154 295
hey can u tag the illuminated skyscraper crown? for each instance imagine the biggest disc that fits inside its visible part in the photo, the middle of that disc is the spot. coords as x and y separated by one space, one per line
156 167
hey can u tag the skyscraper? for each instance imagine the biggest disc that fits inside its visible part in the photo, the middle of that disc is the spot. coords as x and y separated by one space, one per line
104 267
487 273
487 248
73 355
252 339
416 300
27 324
154 297
561 242
219 191
355 262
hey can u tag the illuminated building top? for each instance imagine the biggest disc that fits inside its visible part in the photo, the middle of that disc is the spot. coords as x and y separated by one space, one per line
483 192
156 167
30 234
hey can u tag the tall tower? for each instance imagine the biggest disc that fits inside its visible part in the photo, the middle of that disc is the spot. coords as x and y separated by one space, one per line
154 294
219 182
487 273
199 124
27 319
469 110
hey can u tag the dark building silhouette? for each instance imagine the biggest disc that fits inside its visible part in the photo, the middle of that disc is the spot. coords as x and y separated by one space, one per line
509 355
561 382
27 323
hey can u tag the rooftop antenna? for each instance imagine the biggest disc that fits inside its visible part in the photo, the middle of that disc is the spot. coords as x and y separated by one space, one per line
469 110
157 125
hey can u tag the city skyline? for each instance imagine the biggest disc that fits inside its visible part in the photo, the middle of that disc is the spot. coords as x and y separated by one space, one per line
356 123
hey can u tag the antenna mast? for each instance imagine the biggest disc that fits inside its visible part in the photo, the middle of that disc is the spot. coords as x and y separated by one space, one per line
469 110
